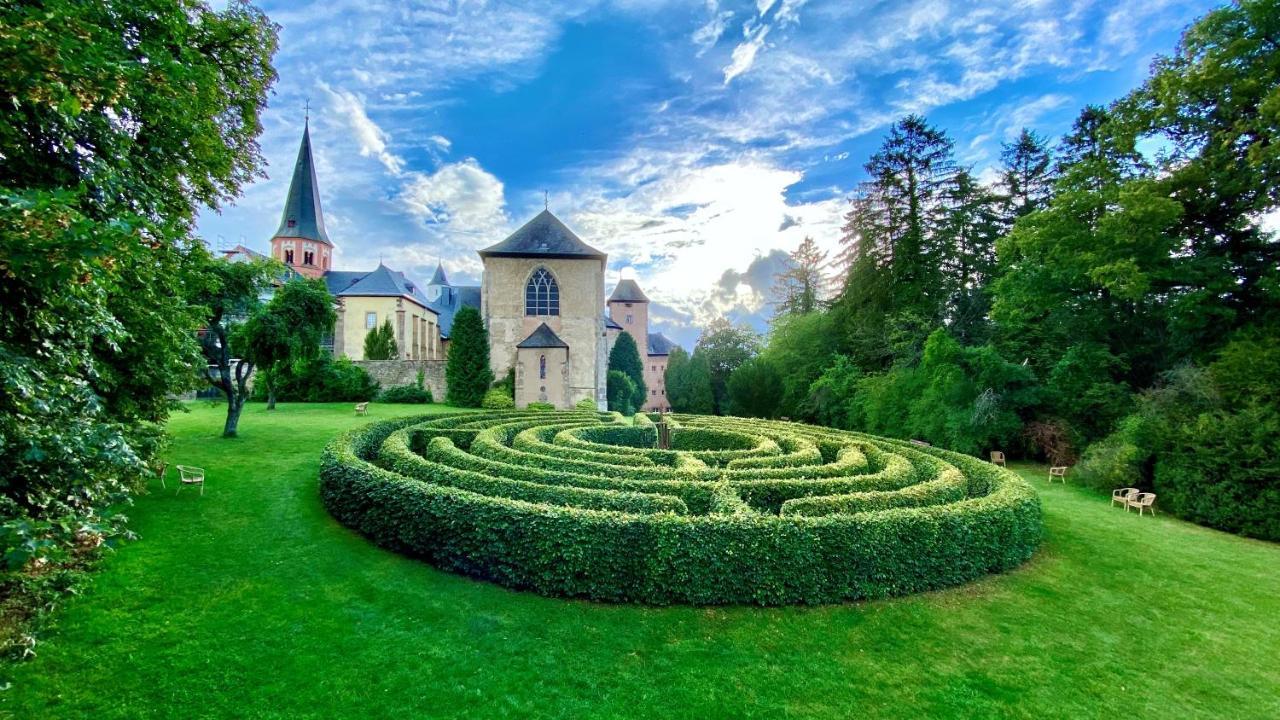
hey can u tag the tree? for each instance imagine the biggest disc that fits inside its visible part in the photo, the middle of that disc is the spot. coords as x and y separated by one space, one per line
625 358
380 343
288 329
1026 175
467 371
798 290
800 347
231 294
970 227
755 389
723 347
688 383
120 120
620 392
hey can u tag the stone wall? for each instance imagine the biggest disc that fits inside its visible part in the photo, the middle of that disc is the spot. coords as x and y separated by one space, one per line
390 373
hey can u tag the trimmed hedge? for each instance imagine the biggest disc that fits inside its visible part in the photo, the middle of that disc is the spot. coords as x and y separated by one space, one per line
572 504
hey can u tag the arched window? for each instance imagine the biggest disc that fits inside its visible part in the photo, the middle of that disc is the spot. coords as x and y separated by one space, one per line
542 295
542 367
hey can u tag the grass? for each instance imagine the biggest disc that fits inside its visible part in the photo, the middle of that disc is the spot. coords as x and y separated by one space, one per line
251 602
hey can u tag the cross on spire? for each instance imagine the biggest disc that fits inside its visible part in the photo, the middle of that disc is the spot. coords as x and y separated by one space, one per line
546 204
306 109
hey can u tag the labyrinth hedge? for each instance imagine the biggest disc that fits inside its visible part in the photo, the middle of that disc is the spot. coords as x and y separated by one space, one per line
580 504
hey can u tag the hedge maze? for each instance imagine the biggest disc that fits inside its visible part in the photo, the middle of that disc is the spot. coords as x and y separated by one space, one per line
580 504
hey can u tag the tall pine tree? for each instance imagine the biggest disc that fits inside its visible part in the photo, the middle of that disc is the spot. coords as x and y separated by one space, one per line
625 358
1026 175
798 290
467 371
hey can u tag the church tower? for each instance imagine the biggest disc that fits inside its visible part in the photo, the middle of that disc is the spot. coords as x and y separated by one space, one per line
301 241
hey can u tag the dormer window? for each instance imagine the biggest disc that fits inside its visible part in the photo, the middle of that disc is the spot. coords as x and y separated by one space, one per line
292 223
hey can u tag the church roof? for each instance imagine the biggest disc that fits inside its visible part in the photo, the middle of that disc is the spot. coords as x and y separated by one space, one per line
628 291
543 236
302 216
543 337
438 278
659 344
381 282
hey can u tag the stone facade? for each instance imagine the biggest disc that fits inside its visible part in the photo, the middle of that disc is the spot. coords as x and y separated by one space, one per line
579 323
390 373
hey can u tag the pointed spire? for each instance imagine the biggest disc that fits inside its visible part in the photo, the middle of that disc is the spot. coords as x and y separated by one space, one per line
302 215
439 277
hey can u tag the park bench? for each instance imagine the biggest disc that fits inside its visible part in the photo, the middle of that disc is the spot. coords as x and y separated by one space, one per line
1058 471
190 476
362 408
1142 501
997 458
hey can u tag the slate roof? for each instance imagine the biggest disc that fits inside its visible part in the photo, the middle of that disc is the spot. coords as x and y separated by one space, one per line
628 291
302 204
382 282
438 278
543 236
543 337
452 299
659 344
610 323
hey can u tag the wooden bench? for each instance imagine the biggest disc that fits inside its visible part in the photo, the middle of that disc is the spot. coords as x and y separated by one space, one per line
362 408
1058 471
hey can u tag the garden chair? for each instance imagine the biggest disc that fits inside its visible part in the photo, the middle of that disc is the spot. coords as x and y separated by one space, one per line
160 469
190 476
362 408
997 458
1058 471
1142 501
1122 495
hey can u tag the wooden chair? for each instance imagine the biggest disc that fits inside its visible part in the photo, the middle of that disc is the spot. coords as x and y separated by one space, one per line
190 476
1058 471
362 408
1142 501
1122 495
920 443
997 458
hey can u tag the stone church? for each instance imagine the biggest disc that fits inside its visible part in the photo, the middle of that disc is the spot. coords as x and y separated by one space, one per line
542 298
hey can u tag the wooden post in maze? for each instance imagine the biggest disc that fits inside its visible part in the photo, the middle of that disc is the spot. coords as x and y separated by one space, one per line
664 432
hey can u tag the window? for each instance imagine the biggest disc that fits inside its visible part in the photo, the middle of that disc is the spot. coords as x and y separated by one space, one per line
542 367
308 258
370 320
628 319
292 223
541 295
288 256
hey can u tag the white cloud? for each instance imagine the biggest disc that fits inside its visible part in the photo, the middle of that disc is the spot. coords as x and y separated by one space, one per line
744 55
463 197
706 36
371 138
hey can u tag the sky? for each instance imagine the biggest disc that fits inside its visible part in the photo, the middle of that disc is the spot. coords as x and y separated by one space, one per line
694 142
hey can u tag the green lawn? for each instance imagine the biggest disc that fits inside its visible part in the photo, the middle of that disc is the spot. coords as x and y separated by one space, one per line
252 602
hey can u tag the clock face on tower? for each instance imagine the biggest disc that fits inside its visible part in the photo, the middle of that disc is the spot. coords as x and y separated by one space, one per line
433 292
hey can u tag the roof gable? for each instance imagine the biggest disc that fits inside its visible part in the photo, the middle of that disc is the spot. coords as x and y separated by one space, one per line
543 337
628 291
543 236
659 344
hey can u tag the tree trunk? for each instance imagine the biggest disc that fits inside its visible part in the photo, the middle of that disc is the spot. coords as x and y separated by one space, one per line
271 398
234 406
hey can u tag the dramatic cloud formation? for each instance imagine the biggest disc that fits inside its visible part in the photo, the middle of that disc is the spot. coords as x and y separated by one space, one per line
696 144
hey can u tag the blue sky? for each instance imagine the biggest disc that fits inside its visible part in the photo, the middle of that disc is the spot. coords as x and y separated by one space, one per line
694 142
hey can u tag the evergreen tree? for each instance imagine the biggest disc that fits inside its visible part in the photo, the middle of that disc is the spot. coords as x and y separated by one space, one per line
467 371
620 392
674 378
798 290
724 346
699 396
755 389
625 358
1026 175
380 343
971 227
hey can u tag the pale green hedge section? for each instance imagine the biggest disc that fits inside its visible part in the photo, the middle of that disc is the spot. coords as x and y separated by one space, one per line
572 504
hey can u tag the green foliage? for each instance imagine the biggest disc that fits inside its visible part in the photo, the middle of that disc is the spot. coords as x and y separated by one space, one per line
497 399
289 328
586 405
468 373
380 343
722 347
322 378
625 358
798 290
406 394
927 519
542 406
800 348
620 392
755 389
688 383
508 383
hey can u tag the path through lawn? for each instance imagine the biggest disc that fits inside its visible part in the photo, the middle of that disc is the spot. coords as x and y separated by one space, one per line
252 602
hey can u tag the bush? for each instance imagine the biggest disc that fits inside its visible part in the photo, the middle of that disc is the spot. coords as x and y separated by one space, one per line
621 392
497 399
321 379
755 389
540 406
408 394
525 508
586 405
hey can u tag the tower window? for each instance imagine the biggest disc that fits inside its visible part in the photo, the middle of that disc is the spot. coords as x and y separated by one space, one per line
288 256
308 258
542 367
292 223
542 294
628 319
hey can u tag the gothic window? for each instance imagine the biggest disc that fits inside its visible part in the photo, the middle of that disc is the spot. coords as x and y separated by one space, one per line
542 295
542 367
308 258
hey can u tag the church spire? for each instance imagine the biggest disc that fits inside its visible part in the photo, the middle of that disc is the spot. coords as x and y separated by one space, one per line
302 215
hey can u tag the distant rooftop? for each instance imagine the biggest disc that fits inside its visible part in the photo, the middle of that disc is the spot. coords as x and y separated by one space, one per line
628 291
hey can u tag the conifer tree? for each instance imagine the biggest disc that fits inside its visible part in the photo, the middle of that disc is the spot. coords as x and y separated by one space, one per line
380 343
798 290
1026 175
467 370
625 358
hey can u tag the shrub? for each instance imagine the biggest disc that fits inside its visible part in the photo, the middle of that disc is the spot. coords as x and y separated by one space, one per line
585 404
625 358
380 343
529 506
755 389
497 399
621 392
406 394
322 379
542 406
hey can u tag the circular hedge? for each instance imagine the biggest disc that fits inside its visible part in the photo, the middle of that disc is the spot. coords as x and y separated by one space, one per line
581 504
